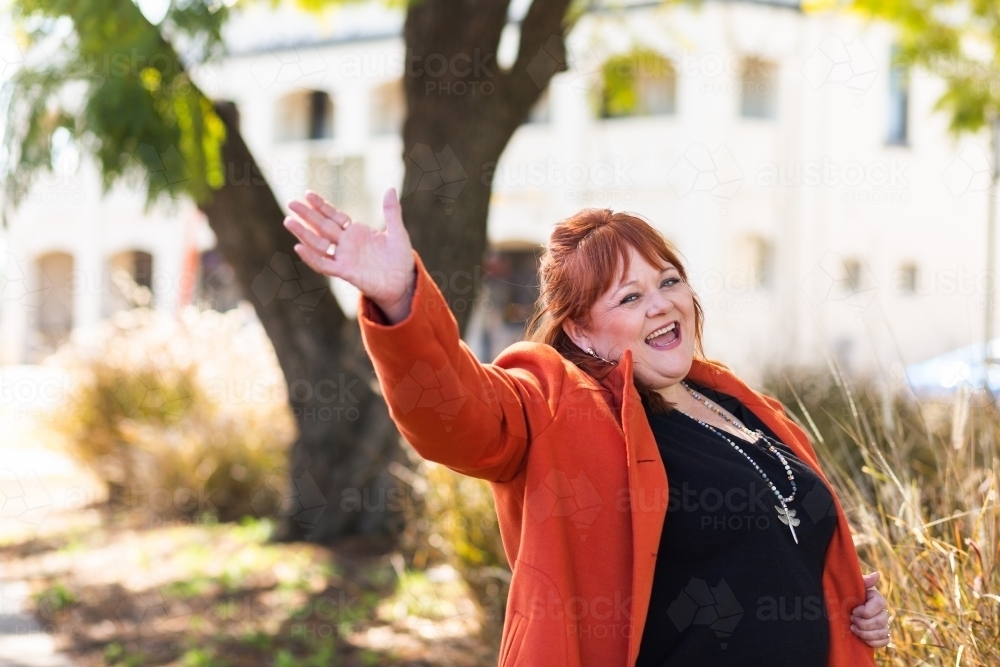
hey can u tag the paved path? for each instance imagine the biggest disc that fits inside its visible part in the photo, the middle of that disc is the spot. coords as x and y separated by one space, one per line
23 643
29 476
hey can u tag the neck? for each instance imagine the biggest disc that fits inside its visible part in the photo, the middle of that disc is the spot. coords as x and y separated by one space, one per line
674 393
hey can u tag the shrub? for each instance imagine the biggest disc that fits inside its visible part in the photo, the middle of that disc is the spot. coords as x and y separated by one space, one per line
455 521
182 416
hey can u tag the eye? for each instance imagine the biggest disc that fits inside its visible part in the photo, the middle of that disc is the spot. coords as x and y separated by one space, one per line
626 299
668 282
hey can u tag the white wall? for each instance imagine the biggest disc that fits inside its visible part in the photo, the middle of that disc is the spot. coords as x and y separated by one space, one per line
884 205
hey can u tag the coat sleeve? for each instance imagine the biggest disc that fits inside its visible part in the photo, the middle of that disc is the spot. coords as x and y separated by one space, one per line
477 419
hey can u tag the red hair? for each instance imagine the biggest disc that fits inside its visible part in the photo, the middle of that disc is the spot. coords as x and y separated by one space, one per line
585 254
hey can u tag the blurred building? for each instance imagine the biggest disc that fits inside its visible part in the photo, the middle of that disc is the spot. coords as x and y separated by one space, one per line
821 204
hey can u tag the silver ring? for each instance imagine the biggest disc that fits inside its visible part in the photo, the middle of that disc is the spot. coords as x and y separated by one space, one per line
330 250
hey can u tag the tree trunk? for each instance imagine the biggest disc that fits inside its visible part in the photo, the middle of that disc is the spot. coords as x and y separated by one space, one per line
462 109
338 479
459 119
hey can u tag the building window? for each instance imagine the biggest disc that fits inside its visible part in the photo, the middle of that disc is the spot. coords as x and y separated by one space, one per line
758 89
129 282
54 307
341 180
217 286
906 279
304 115
388 108
641 83
142 269
899 100
510 289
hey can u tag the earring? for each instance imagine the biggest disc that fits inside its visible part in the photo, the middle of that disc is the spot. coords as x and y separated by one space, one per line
591 352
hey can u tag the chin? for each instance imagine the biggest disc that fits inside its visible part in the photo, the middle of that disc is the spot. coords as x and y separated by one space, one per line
671 370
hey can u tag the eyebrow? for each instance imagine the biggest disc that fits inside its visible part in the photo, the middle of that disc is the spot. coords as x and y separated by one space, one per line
632 282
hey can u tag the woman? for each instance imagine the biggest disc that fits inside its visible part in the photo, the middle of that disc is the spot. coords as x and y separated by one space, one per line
655 509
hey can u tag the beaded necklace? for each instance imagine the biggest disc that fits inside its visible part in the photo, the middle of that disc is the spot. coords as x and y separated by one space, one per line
785 515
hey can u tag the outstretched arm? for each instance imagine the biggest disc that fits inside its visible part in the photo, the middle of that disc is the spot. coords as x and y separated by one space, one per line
477 419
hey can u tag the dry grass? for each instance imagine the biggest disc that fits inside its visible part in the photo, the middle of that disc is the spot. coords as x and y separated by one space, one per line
919 482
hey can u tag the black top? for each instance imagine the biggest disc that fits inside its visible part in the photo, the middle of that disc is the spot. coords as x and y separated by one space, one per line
731 587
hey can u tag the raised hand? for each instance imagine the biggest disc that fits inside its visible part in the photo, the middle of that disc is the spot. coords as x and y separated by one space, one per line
870 621
379 263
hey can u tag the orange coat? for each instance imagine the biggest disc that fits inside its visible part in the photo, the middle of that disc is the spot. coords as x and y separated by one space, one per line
580 489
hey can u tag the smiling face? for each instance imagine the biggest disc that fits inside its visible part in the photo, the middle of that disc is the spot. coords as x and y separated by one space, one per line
649 310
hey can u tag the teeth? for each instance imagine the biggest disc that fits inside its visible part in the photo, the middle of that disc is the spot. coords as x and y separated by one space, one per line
662 331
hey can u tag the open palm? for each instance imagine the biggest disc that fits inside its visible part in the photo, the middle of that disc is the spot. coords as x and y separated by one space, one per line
379 263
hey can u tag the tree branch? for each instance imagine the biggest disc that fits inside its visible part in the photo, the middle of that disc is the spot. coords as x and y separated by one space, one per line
541 53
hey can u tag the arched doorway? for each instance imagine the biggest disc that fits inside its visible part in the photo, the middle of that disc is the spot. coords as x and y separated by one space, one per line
54 304
129 282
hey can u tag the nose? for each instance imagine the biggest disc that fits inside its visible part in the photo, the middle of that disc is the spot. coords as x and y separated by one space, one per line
659 304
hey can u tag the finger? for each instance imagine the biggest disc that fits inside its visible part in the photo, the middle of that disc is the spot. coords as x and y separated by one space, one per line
321 264
875 638
876 622
875 604
878 643
307 236
393 213
327 209
322 224
871 580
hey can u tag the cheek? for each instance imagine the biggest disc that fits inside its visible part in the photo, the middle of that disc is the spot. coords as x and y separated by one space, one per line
622 329
688 313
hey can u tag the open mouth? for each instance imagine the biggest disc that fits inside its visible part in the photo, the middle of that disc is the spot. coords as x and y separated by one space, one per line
665 337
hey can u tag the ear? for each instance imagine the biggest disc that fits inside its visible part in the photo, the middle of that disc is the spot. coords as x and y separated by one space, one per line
576 334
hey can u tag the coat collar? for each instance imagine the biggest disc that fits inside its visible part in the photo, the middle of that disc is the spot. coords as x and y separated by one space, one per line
619 382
